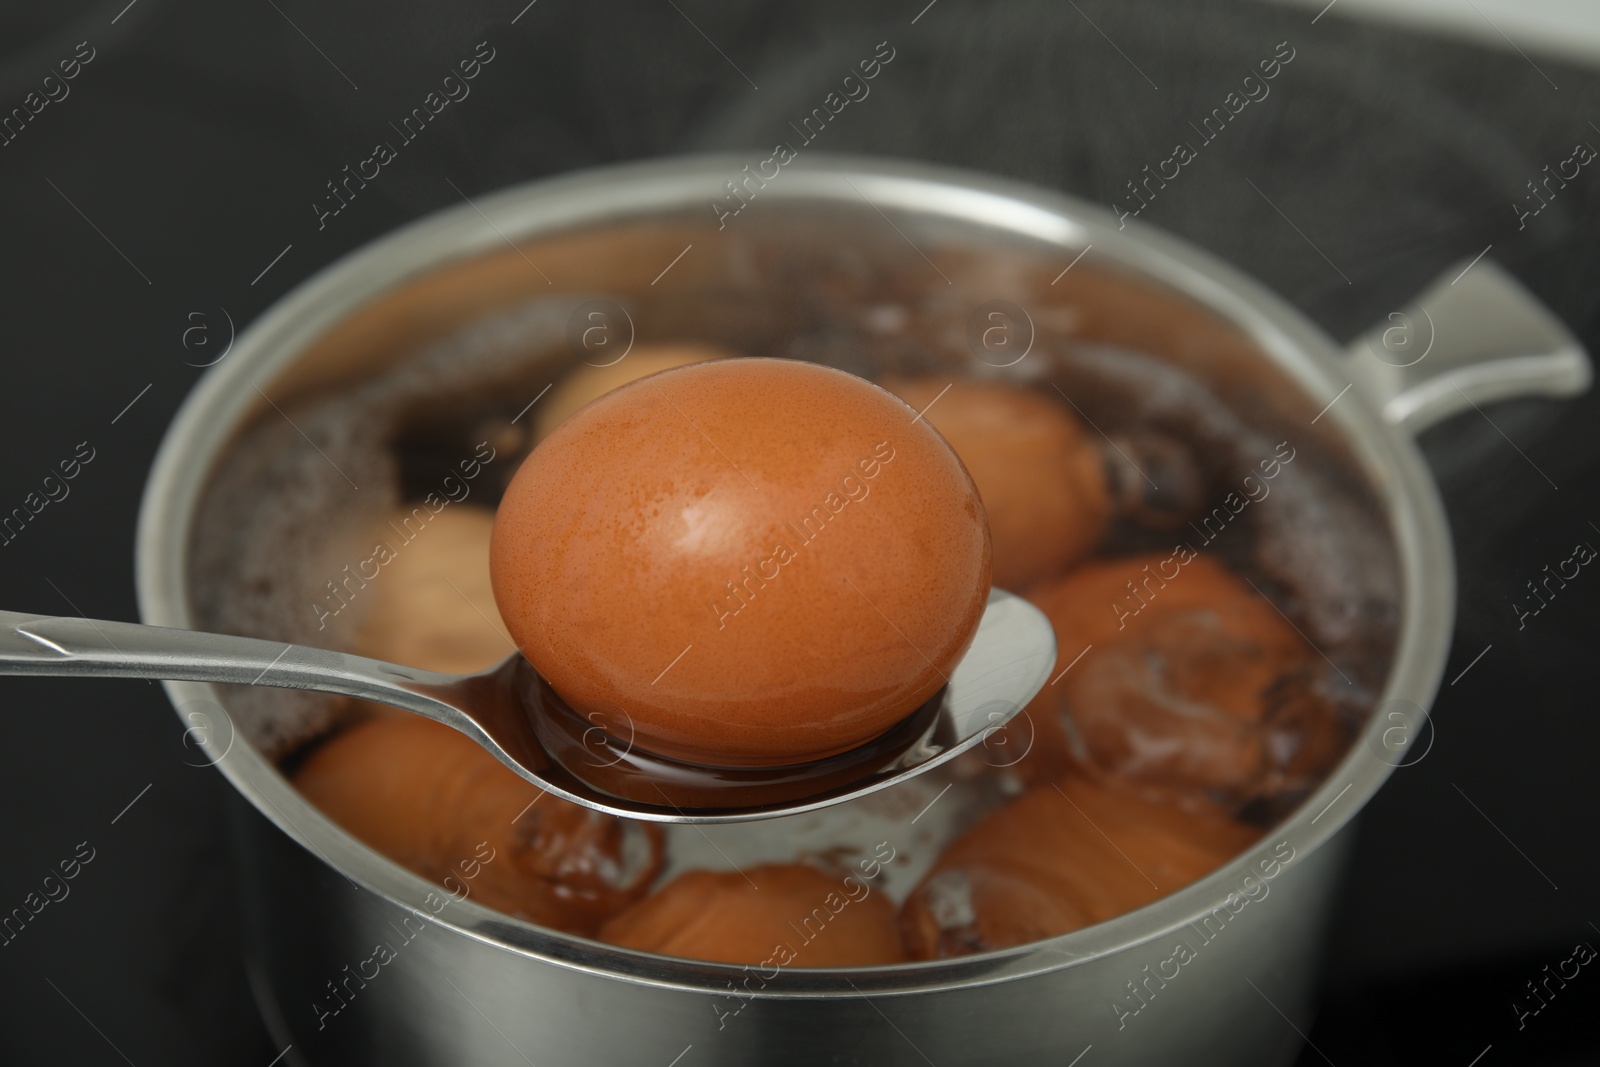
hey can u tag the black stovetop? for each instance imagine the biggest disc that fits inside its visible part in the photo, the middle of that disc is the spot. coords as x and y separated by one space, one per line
170 187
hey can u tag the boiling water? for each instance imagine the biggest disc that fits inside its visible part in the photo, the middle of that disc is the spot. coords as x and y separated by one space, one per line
281 520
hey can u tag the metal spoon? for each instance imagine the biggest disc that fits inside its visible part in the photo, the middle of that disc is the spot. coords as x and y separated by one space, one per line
512 712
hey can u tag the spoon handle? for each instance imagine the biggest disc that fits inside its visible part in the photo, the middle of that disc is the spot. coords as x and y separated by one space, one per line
91 648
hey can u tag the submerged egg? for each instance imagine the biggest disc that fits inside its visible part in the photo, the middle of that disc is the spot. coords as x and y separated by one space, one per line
1042 480
589 382
754 561
778 914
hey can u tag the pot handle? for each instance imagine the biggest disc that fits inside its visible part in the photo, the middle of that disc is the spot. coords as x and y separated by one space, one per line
1475 335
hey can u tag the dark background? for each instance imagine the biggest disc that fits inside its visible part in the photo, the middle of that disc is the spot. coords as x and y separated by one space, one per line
190 149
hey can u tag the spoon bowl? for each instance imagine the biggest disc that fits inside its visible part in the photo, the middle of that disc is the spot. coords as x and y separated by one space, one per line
511 711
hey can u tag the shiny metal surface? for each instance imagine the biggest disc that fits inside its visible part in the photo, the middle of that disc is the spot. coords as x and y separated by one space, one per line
476 987
1474 336
307 923
1007 664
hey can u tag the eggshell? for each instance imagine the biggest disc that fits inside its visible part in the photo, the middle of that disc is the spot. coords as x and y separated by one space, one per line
1185 665
430 604
775 915
755 561
590 382
1063 855
434 801
1042 479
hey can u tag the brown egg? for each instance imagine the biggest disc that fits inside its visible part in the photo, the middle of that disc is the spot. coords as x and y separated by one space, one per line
1184 667
591 382
431 605
757 561
1042 480
777 915
1062 856
434 801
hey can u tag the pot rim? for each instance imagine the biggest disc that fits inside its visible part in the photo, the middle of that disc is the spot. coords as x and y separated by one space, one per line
1389 459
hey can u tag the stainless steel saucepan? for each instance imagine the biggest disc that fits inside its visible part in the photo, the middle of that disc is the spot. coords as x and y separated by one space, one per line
937 248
